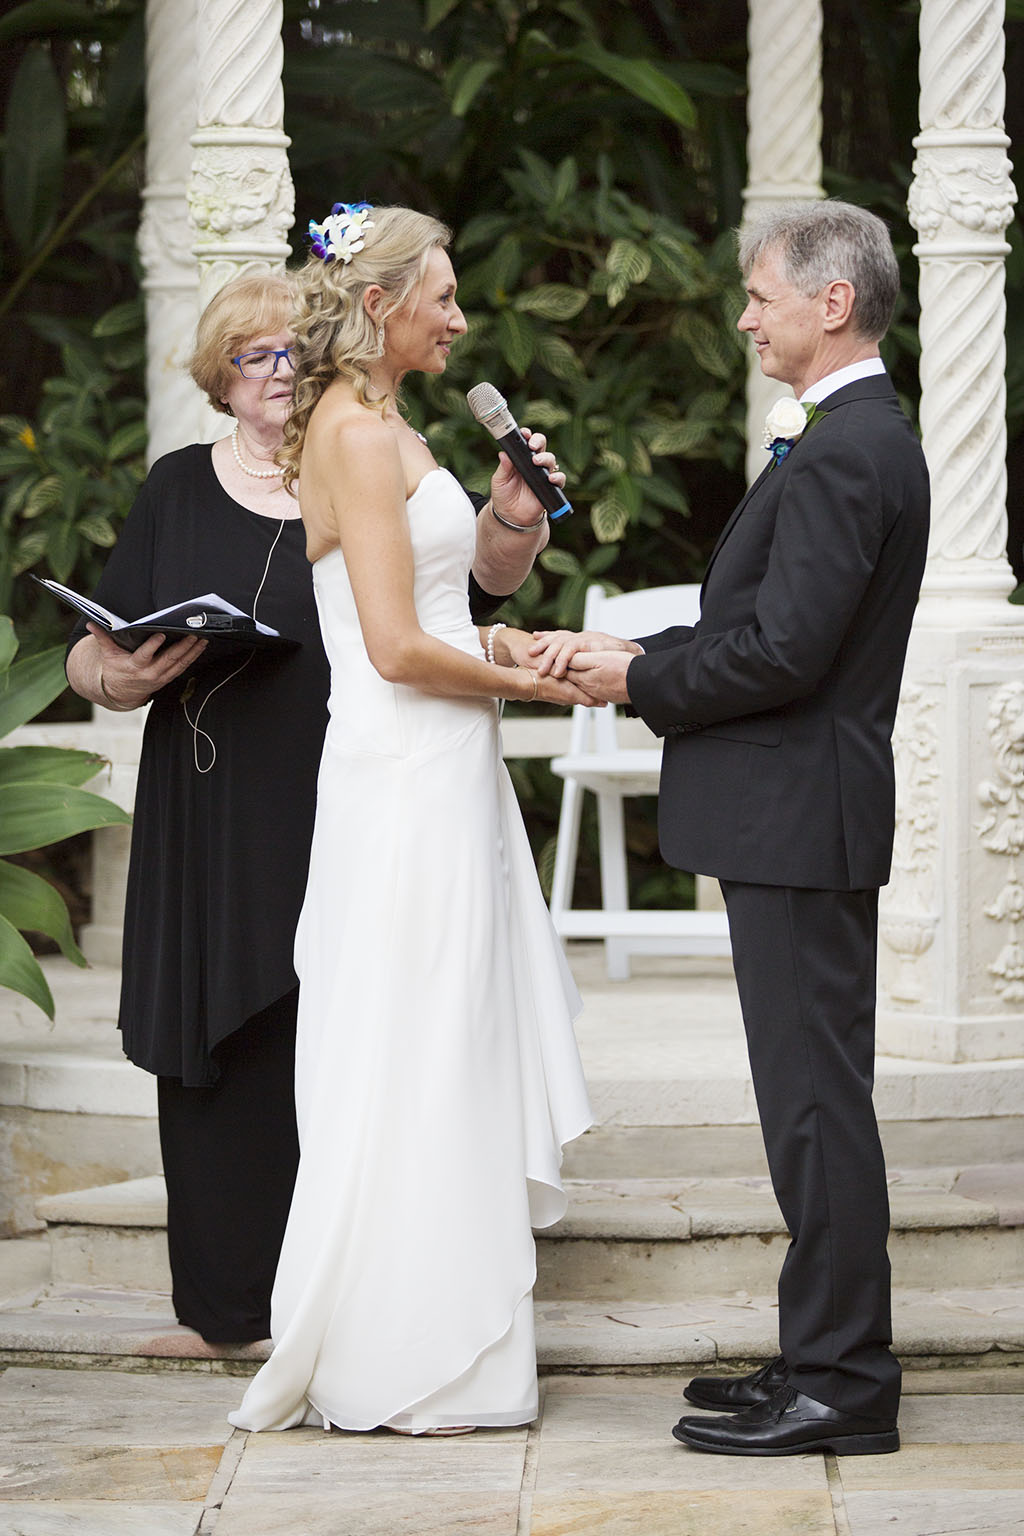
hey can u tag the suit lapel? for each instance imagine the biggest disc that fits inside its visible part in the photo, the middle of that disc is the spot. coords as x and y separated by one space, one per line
877 386
730 525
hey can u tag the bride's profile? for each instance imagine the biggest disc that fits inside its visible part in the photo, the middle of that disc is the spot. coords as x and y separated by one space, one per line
437 1075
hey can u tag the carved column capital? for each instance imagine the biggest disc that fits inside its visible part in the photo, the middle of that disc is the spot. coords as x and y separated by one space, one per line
240 192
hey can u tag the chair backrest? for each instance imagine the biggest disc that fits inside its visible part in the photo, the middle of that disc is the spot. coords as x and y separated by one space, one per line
628 614
641 613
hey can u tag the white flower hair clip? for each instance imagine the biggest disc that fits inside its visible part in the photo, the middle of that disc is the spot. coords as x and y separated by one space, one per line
342 233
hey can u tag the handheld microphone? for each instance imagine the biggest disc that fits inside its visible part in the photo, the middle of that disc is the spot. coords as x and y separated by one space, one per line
492 412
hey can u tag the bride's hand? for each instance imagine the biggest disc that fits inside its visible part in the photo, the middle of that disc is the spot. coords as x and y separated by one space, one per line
553 649
553 690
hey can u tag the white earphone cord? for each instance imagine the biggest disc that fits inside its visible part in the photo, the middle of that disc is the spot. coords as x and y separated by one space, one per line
196 731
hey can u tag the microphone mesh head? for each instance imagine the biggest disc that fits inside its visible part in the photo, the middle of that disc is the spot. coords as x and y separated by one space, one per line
484 400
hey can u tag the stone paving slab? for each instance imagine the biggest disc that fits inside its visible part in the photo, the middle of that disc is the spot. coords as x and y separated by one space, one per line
110 1408
97 1517
114 1454
948 1512
675 1514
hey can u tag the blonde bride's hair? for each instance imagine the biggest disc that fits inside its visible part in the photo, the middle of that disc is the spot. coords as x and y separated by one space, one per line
334 336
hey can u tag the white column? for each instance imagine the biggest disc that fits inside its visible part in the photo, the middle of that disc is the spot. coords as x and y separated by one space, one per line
951 966
170 278
174 407
783 146
240 194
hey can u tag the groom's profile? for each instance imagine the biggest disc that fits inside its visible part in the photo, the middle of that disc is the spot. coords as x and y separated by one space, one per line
777 710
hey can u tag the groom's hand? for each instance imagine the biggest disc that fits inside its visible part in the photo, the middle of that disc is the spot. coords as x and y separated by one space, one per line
603 673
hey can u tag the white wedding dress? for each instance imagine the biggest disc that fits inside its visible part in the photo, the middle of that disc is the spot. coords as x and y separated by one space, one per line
437 1076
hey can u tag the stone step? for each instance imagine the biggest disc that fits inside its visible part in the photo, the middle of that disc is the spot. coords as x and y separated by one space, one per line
960 1329
663 1053
654 1238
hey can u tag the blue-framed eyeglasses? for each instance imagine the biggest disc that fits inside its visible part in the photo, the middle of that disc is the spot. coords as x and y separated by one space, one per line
262 365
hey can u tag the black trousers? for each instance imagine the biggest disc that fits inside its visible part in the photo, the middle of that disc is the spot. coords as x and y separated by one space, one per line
230 1155
805 966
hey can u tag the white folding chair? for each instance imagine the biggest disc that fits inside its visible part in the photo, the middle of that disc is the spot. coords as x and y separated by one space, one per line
616 757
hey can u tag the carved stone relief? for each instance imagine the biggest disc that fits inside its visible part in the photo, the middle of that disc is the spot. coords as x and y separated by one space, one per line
1001 832
908 919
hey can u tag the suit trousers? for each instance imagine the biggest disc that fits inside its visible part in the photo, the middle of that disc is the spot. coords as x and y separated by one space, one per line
805 965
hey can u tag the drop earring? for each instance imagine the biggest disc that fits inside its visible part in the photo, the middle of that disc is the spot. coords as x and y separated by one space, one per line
380 339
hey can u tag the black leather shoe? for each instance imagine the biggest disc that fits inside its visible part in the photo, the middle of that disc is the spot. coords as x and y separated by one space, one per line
730 1393
788 1425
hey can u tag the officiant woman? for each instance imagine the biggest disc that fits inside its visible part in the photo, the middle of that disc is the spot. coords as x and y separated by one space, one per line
225 801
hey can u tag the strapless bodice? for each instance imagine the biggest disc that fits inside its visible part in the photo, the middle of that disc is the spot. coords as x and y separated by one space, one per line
369 714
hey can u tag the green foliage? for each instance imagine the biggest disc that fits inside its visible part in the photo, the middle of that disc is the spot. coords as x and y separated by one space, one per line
40 802
72 366
71 475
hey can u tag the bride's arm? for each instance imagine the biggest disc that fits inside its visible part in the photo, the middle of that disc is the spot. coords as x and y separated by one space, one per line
366 503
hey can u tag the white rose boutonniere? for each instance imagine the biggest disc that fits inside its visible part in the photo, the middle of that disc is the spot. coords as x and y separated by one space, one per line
787 421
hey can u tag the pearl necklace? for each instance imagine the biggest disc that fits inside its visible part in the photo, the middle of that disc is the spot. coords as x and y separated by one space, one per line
257 474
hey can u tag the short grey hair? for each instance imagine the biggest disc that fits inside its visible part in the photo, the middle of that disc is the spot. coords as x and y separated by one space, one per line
820 242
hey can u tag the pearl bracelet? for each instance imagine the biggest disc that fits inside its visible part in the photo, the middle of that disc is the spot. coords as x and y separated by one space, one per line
490 640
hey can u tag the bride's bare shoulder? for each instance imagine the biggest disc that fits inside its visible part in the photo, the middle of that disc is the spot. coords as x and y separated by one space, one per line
342 425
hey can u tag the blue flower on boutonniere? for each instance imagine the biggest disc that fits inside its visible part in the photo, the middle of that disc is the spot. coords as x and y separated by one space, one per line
786 422
342 233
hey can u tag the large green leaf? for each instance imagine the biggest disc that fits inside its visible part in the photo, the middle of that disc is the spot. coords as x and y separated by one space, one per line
641 78
552 301
19 970
29 686
467 84
8 643
33 905
35 815
34 149
49 765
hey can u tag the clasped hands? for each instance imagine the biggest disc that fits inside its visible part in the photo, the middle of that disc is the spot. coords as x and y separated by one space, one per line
590 663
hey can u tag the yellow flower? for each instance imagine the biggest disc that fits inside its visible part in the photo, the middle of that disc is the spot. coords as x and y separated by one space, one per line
28 437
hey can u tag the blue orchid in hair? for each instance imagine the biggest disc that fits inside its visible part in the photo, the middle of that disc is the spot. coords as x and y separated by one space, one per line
342 233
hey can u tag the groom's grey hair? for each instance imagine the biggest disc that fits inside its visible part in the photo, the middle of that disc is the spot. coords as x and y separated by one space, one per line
820 242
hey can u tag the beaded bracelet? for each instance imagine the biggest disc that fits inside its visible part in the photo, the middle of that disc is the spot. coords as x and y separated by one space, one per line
490 640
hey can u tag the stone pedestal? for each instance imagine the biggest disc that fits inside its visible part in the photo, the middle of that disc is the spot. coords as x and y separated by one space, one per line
951 956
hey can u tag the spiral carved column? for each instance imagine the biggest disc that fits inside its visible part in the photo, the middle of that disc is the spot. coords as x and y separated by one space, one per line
240 194
174 407
961 201
170 279
952 917
783 145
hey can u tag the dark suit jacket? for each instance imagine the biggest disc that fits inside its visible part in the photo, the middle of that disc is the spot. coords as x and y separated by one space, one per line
777 708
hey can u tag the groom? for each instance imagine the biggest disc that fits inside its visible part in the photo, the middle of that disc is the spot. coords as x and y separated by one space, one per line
777 710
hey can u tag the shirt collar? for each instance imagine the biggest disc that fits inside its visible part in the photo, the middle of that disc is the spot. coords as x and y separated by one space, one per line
848 375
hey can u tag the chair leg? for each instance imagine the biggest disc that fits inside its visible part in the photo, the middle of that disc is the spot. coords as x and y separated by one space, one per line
611 838
566 849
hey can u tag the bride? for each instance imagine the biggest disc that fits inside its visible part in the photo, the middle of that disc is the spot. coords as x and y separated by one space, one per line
437 1076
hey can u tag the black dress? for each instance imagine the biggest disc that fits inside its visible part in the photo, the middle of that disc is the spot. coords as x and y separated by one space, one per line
216 880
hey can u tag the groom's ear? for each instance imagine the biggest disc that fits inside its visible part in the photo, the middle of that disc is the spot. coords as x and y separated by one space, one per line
838 300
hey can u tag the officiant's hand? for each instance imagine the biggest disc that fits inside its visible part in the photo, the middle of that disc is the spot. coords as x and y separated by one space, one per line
124 680
552 650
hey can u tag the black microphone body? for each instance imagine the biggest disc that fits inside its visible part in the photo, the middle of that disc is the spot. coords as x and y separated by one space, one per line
492 412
